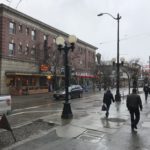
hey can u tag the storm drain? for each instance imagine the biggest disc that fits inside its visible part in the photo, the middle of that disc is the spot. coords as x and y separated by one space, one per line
91 136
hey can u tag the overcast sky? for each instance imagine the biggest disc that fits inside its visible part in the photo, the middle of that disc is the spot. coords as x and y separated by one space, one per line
79 17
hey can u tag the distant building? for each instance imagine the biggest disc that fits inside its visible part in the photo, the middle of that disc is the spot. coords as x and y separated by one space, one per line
26 55
146 68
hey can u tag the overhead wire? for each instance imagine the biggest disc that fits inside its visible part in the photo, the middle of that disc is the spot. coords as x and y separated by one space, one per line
9 1
18 3
128 38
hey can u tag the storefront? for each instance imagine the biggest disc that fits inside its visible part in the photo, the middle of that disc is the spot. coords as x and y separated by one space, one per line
21 83
87 81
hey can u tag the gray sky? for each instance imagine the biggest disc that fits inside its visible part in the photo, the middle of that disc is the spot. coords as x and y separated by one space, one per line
79 17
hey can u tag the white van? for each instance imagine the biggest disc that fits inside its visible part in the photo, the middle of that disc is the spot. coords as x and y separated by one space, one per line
5 104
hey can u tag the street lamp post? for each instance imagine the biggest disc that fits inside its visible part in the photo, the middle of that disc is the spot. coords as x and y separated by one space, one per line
98 56
63 45
117 96
122 60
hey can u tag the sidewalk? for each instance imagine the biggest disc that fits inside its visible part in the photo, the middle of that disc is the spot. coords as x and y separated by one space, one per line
94 131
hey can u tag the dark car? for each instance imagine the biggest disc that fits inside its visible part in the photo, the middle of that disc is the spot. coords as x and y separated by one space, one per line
74 91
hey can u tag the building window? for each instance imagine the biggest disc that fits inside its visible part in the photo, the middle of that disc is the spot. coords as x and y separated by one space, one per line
33 34
80 49
11 50
27 50
33 51
20 48
27 31
12 27
20 28
45 37
81 62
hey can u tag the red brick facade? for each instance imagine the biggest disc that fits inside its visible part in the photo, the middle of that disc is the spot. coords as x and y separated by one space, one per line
20 46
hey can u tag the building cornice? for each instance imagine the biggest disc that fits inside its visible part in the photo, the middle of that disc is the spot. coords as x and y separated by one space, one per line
5 8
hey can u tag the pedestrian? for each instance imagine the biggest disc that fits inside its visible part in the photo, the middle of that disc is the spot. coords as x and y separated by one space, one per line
146 91
107 99
149 89
134 103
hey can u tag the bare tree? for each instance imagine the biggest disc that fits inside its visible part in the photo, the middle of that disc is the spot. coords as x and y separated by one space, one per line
135 69
132 70
55 60
106 71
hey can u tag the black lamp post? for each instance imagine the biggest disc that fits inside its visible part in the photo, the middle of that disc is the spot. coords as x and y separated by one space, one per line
117 96
122 60
62 45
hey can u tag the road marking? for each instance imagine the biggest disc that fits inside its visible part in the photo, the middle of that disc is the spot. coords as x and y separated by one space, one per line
21 109
34 111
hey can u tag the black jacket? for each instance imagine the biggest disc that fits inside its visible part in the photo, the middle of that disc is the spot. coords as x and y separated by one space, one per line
134 101
108 97
146 89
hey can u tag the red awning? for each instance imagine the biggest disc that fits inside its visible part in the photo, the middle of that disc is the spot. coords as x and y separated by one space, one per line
86 76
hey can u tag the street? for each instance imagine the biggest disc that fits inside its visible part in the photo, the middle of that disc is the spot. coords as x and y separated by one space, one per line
28 111
74 81
41 127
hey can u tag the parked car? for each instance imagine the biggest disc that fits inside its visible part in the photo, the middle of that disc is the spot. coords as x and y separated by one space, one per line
5 104
74 91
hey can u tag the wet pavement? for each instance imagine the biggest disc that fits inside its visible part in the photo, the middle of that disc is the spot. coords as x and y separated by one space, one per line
90 130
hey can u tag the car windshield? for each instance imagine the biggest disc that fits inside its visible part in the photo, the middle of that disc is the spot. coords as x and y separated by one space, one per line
69 88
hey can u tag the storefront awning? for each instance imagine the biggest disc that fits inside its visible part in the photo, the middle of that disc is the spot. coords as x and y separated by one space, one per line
8 73
26 74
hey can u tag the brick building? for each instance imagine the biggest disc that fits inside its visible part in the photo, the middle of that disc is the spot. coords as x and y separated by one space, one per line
29 56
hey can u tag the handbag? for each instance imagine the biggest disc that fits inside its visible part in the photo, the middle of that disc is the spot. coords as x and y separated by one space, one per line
104 107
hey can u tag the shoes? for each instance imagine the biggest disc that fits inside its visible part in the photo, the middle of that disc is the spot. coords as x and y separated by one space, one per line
107 114
134 128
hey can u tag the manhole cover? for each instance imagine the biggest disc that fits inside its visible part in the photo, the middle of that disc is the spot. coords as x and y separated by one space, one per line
91 136
94 133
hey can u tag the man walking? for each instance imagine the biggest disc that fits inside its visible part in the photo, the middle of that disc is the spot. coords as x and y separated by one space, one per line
146 91
133 104
107 99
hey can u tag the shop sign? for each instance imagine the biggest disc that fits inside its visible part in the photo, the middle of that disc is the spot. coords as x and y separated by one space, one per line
44 67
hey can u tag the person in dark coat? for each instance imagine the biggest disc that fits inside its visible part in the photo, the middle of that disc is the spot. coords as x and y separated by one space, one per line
107 99
133 104
146 91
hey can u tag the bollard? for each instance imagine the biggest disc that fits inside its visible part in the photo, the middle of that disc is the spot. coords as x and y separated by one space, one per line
4 124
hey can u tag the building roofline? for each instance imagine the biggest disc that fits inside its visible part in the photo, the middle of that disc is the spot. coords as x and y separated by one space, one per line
7 8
